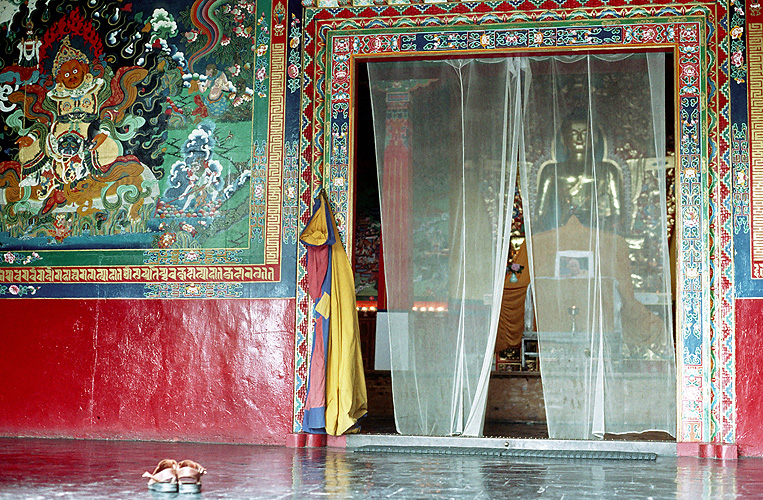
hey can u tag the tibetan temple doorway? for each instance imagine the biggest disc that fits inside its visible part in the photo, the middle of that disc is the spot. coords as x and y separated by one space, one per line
516 406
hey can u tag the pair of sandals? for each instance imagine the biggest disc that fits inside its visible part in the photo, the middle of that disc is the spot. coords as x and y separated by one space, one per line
171 476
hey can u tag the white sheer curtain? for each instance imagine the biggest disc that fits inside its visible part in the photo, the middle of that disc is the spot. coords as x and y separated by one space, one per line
448 135
588 139
596 221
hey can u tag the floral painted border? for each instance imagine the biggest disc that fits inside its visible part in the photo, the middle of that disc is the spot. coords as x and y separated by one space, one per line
20 258
18 290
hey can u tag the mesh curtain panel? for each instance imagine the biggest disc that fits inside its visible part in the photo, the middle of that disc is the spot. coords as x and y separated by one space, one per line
448 138
587 136
597 233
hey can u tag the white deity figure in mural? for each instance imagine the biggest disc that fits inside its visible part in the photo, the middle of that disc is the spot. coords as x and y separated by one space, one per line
196 182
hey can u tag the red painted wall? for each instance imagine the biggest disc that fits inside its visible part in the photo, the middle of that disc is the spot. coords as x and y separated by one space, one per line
749 382
216 370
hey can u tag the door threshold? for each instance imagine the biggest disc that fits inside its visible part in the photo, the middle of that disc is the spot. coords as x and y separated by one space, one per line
661 448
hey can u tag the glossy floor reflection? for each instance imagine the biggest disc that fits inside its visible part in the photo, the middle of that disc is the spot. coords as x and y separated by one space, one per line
73 469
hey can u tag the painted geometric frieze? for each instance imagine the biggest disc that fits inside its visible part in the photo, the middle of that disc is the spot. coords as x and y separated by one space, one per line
755 137
129 159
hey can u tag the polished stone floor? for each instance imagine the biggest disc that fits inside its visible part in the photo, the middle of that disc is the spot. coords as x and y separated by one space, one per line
42 469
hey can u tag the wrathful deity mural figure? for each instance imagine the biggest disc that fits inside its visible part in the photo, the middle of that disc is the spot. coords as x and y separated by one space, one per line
69 158
77 118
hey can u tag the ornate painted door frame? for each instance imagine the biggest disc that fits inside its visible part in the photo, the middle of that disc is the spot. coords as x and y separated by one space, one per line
334 39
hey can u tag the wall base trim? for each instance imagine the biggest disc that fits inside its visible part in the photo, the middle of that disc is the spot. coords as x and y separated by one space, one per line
720 451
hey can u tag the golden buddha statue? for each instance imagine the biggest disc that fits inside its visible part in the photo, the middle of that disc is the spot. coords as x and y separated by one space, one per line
579 181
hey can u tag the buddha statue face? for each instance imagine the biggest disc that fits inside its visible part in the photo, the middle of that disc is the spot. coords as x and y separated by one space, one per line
72 74
575 137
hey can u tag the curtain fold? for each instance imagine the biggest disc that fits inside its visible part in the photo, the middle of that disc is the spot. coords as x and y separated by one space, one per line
447 137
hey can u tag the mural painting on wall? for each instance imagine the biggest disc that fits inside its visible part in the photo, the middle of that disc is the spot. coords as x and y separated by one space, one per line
127 127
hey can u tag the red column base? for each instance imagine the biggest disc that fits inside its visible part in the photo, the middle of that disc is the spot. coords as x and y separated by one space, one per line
315 441
296 440
305 440
708 450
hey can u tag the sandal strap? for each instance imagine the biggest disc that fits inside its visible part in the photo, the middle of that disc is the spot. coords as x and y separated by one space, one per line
189 471
167 475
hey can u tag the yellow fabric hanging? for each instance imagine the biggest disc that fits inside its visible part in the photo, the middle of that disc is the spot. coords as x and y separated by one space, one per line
346 399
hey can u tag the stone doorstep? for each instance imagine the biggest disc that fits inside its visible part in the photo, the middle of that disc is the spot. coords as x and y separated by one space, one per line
719 451
358 440
659 448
